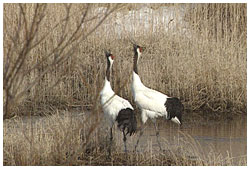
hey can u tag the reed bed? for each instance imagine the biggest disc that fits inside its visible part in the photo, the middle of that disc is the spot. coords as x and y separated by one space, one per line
54 62
198 55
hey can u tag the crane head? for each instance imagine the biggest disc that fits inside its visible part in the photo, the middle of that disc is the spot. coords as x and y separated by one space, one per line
138 49
109 55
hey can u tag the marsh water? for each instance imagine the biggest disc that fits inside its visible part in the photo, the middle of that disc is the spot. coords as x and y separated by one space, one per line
224 139
211 140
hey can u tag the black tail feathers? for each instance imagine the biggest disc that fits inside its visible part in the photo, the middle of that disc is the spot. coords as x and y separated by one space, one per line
127 121
174 108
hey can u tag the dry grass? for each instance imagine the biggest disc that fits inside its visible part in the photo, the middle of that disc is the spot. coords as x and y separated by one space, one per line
60 139
58 63
201 60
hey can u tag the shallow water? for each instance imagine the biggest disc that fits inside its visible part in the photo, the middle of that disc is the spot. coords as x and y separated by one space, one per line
224 140
227 137
211 141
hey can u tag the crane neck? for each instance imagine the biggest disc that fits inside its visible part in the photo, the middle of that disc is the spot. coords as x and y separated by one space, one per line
137 83
107 89
109 68
136 59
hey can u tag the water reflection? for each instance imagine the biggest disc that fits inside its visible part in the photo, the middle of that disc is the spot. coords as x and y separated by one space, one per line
226 139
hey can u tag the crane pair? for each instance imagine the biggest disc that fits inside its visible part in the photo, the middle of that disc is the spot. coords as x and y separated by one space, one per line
152 103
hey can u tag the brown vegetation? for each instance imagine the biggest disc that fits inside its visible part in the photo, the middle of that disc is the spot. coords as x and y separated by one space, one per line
54 61
63 139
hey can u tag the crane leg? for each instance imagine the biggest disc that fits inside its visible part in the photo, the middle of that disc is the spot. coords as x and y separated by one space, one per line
138 140
110 143
157 136
124 140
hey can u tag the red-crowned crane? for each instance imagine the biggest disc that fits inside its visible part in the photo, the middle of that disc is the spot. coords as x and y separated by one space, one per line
152 103
115 108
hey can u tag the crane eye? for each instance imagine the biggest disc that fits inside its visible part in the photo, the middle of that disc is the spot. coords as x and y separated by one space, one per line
112 56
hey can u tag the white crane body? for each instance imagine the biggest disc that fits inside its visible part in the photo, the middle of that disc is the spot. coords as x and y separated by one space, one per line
115 108
153 104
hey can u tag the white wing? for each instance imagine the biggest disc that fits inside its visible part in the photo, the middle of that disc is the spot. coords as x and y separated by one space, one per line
113 104
155 95
151 100
124 102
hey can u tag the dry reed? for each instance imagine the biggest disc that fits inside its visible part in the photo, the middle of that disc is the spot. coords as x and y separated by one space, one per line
201 58
59 139
53 60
